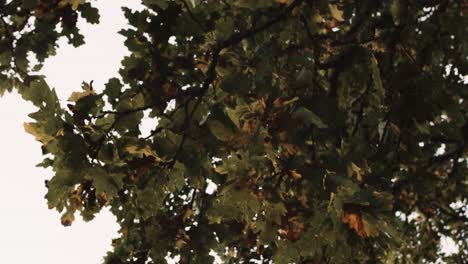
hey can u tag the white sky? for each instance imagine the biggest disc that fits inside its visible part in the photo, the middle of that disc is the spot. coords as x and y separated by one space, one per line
29 232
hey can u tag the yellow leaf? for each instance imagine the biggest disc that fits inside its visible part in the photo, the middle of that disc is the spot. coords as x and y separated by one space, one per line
220 170
74 3
146 151
62 3
353 169
281 102
336 13
296 175
215 220
75 96
180 243
36 131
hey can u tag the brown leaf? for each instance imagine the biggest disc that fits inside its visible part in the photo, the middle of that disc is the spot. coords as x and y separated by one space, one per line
250 127
169 89
290 148
282 102
67 219
295 231
102 199
354 221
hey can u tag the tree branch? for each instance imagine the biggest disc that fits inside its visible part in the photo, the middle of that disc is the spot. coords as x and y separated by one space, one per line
211 72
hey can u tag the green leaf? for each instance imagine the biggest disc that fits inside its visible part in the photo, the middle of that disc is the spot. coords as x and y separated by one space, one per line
91 104
274 212
5 57
103 181
29 4
150 199
113 88
423 128
268 231
286 253
39 93
254 4
161 3
220 130
234 116
5 84
224 28
233 204
176 177
455 114
395 11
91 14
236 83
308 117
57 193
376 76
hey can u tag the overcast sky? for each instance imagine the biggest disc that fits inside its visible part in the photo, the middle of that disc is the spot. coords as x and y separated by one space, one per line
29 232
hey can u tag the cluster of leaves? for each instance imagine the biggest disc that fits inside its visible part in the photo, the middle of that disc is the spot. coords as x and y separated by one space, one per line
289 131
29 30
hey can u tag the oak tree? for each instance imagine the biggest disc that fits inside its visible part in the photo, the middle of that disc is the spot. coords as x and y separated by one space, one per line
288 131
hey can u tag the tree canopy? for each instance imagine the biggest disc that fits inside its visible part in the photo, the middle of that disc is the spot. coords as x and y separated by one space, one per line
288 131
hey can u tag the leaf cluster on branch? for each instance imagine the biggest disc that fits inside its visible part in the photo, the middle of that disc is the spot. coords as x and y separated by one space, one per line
288 131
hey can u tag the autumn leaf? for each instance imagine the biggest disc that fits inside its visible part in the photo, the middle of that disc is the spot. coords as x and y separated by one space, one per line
283 2
169 89
35 130
74 3
296 175
281 102
67 218
354 221
283 107
353 169
336 13
75 96
145 151
102 199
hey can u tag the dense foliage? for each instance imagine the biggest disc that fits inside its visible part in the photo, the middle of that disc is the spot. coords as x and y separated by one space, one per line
292 131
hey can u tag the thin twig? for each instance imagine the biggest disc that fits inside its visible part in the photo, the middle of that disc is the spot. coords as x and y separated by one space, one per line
211 73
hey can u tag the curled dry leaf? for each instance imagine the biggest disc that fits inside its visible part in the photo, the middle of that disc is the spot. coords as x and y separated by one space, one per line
354 221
